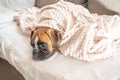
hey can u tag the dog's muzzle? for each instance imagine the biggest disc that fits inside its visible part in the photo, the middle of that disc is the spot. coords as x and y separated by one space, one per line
41 52
41 55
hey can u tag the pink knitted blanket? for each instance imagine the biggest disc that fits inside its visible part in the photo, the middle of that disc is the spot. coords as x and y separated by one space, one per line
86 36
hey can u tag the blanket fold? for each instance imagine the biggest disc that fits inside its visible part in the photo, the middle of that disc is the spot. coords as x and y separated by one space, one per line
86 36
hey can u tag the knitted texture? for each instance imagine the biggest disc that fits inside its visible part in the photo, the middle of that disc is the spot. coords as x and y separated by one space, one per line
86 36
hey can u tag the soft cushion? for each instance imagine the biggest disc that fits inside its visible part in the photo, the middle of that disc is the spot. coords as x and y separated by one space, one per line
17 4
41 3
95 6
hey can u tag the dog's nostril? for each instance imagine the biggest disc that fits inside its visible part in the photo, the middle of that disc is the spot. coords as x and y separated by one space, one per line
35 51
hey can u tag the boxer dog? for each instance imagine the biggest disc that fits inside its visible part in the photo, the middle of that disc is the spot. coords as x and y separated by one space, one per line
45 41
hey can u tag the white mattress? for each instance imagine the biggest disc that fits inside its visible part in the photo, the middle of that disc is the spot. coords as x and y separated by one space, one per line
15 48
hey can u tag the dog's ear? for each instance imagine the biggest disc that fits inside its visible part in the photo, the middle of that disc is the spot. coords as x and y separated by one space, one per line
32 32
55 36
31 40
58 35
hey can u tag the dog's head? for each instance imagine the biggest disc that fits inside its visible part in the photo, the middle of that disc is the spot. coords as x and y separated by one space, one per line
44 41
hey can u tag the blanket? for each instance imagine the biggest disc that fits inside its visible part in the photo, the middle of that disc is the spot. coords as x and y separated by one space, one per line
85 36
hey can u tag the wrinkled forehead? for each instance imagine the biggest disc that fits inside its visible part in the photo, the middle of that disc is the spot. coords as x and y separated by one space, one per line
41 36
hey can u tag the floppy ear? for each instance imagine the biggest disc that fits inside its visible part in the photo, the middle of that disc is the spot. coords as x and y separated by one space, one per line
55 36
32 32
33 36
58 36
31 39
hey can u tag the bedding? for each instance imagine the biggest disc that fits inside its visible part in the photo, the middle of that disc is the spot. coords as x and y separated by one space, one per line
15 48
85 36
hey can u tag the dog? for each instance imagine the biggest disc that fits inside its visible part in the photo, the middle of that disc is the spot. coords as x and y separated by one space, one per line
45 41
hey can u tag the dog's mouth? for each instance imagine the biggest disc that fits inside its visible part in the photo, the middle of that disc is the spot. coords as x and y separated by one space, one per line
41 54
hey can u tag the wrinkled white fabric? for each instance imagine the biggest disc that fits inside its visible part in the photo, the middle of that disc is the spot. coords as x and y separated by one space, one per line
85 36
15 48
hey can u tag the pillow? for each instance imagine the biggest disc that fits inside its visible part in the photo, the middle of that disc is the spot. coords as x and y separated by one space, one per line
41 3
95 6
17 4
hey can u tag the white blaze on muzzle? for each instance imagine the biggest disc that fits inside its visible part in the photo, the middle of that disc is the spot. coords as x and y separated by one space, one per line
36 40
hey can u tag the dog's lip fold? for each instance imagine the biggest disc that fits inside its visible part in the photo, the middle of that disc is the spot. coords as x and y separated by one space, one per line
38 55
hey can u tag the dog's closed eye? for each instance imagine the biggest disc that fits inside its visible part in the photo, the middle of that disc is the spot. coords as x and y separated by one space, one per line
42 45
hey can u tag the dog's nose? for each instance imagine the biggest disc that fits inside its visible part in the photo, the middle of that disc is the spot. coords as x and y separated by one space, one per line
36 54
35 51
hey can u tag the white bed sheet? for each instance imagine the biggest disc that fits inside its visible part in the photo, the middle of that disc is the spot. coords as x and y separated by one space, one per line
15 48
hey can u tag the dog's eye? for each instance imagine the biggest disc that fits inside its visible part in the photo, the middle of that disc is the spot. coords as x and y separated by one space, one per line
42 45
32 44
